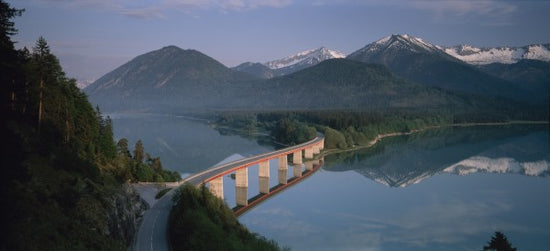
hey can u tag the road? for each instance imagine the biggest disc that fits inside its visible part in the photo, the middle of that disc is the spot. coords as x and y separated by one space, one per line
153 231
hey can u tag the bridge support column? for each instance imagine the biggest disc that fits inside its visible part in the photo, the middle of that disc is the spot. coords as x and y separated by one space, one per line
216 187
241 187
308 153
315 149
322 144
263 174
283 169
297 157
297 170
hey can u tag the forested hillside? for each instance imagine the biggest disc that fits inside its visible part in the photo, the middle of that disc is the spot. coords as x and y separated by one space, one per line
62 174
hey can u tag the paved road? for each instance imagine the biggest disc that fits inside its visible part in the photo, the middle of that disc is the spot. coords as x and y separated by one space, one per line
153 231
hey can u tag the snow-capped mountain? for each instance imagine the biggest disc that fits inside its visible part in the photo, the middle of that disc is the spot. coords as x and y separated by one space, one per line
309 58
290 64
302 60
415 59
505 55
396 46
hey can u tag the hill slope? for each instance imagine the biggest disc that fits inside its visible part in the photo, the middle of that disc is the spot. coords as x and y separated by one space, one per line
169 77
347 84
255 69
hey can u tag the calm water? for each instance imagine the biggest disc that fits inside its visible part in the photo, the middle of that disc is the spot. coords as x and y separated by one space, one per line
447 189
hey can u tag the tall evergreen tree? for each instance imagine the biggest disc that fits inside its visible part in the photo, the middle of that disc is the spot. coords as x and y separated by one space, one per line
10 63
122 146
499 242
139 153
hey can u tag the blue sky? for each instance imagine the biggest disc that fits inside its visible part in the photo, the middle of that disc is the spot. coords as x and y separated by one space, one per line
93 37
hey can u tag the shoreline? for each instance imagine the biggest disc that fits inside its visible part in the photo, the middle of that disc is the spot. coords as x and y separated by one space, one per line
379 137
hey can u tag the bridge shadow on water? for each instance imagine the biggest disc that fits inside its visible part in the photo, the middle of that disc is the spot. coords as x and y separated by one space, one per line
281 186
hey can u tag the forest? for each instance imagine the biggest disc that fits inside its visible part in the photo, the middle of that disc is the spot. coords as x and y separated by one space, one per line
344 129
62 173
199 217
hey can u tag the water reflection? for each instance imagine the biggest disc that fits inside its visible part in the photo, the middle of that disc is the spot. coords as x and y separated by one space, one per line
405 160
184 144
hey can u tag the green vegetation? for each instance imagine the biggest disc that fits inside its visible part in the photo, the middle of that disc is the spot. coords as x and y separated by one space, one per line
149 170
61 172
162 193
349 129
200 221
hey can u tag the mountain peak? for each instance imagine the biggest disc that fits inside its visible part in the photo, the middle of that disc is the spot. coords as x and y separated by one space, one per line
402 41
308 57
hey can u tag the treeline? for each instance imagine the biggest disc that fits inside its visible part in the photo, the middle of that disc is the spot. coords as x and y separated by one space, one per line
201 221
141 166
61 169
347 129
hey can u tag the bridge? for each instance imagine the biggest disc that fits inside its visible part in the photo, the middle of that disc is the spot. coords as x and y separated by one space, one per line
213 177
152 233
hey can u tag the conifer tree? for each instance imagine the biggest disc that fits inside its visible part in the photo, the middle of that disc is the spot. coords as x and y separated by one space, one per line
499 242
139 153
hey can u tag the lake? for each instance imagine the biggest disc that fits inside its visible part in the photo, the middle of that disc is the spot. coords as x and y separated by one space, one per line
443 189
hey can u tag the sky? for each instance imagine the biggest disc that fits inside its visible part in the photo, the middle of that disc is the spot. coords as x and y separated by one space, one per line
93 37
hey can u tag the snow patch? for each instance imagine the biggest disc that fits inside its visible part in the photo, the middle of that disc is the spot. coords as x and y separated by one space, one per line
308 57
504 55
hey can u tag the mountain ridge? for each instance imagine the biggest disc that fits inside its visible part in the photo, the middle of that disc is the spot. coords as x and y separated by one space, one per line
505 54
414 59
289 64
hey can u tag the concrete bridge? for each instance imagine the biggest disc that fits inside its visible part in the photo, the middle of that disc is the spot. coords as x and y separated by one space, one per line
213 177
152 233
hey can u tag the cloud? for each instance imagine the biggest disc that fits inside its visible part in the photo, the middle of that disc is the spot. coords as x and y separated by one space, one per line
465 7
151 9
494 12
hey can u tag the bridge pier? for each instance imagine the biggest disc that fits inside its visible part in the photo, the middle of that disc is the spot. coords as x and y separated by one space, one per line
283 169
297 157
216 187
308 153
241 187
315 149
263 175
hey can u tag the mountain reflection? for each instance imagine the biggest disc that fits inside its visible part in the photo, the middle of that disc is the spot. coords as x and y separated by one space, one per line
501 165
405 160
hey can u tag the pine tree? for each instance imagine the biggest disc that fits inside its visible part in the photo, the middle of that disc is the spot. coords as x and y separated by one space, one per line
499 242
139 153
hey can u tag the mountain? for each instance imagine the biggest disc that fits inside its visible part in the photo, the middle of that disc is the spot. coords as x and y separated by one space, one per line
82 83
172 80
348 84
255 69
414 59
302 60
529 75
168 77
503 55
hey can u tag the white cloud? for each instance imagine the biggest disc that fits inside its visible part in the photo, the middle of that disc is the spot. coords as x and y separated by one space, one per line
465 7
155 9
